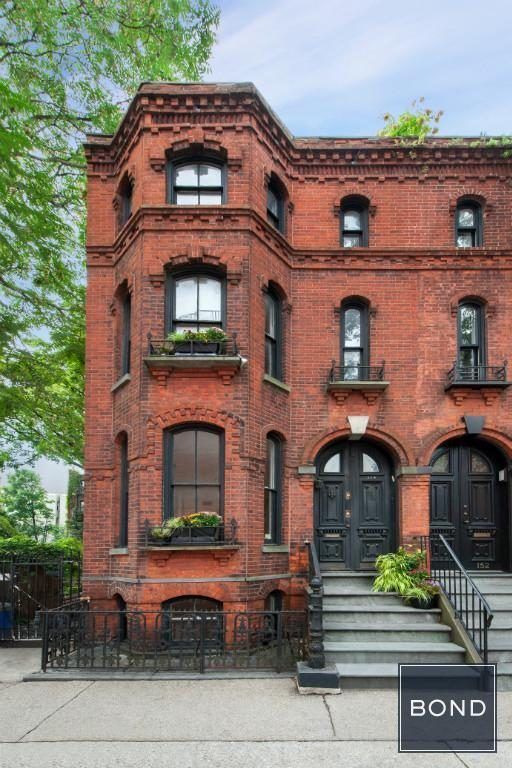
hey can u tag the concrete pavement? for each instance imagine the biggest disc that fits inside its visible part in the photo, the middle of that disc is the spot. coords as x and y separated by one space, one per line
207 723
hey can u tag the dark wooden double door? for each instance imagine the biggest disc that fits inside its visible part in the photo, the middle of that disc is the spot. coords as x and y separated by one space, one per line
468 504
354 506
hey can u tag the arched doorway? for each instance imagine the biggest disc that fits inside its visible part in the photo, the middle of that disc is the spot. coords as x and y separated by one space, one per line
468 502
354 505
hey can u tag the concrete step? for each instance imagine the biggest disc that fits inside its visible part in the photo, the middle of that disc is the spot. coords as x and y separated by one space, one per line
377 633
491 588
365 676
349 582
504 671
421 653
500 602
392 614
500 652
361 599
498 635
502 618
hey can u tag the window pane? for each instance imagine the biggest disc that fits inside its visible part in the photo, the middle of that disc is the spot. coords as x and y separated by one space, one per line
271 465
352 328
468 325
270 357
333 464
187 198
210 198
369 464
270 315
210 176
208 499
184 500
273 203
466 217
208 452
186 299
352 241
442 463
210 292
351 361
465 240
186 176
479 464
269 513
352 220
468 357
183 460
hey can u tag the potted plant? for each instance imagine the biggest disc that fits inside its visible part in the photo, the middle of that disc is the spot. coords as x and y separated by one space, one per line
206 342
402 572
197 528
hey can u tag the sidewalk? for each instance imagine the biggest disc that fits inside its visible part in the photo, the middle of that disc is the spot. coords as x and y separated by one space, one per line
208 723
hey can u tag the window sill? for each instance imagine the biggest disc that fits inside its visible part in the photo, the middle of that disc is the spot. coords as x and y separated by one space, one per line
371 390
276 383
275 549
125 378
118 551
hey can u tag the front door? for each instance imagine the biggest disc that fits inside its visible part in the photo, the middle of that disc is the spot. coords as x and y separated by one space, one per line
354 510
468 504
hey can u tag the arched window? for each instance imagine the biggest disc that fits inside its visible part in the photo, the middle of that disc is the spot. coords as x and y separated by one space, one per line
354 222
198 181
354 340
123 491
274 601
273 489
275 204
273 335
471 340
468 224
193 619
194 471
125 196
196 301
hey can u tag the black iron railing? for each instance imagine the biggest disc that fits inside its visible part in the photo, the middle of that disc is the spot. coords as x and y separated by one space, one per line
356 373
196 536
315 594
165 347
29 586
471 374
470 606
84 638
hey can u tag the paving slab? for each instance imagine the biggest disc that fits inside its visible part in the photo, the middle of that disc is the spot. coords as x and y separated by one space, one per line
236 710
16 662
25 705
365 715
224 755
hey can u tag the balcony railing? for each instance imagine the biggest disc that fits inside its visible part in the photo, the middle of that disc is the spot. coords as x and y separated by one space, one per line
193 536
350 373
166 347
478 375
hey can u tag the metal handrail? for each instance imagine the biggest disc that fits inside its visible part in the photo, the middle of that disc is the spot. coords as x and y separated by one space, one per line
462 592
316 654
363 372
477 373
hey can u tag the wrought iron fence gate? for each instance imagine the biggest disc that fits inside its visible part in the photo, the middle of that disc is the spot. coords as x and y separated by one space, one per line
29 587
79 638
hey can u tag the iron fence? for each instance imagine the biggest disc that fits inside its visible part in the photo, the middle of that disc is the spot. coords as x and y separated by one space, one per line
172 641
483 374
470 606
28 587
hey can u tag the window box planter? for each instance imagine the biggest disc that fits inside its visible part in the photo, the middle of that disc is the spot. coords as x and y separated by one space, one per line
201 534
196 348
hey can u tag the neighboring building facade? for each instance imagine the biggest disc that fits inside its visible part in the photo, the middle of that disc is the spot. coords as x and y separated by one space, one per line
365 289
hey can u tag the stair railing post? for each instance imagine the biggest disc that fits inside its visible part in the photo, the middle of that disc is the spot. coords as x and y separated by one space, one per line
316 632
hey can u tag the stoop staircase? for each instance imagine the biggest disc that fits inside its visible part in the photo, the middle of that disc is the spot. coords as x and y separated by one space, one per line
366 634
496 587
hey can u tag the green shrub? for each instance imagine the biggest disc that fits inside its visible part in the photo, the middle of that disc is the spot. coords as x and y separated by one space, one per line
25 548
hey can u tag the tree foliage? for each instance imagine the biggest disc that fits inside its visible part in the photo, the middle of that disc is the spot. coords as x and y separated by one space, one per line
66 67
23 547
414 125
26 505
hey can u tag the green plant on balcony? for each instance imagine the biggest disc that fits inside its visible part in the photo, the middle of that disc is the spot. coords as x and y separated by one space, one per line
207 341
199 525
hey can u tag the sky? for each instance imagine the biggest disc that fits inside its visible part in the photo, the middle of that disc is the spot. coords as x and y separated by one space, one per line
334 68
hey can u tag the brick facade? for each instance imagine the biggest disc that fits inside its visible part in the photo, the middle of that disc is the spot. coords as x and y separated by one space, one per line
411 274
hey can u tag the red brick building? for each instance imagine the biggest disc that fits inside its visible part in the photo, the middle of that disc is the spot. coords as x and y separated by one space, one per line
365 290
